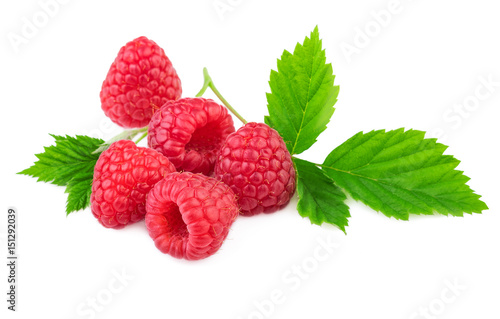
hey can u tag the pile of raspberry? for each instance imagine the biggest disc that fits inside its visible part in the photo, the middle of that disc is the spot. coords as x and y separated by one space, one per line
198 173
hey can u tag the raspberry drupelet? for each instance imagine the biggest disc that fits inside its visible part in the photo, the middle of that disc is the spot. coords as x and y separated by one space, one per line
138 83
123 175
189 215
256 164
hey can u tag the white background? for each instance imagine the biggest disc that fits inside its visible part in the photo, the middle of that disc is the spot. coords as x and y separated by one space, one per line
413 71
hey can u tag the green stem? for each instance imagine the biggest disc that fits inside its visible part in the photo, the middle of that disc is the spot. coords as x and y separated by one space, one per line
141 137
206 82
125 135
209 83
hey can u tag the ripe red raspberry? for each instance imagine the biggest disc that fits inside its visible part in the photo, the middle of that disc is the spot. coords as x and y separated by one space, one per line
190 132
140 81
256 164
123 175
189 215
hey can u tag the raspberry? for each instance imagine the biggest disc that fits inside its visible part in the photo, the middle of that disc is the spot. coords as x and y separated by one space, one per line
256 164
190 132
140 81
123 175
189 215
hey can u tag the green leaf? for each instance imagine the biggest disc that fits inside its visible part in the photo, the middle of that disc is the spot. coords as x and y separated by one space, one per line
79 190
400 173
319 198
70 162
59 163
302 94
